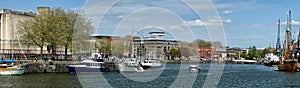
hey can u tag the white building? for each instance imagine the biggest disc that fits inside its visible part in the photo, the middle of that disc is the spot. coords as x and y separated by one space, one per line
155 46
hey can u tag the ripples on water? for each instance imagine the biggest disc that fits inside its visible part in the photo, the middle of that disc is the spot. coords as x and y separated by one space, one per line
234 76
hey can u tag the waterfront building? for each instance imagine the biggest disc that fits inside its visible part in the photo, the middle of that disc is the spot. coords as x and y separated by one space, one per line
156 46
208 52
231 52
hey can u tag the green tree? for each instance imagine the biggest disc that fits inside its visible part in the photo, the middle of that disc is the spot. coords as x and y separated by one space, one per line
33 31
238 55
265 51
244 55
174 52
253 53
104 46
56 28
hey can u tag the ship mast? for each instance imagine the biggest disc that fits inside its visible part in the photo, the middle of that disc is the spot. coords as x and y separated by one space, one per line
278 50
288 42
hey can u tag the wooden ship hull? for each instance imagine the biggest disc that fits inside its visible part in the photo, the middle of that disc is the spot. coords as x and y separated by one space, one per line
290 65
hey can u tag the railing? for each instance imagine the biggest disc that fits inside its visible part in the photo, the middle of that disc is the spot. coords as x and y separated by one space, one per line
31 52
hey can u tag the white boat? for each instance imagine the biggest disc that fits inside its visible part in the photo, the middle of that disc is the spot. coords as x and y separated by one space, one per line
148 64
194 68
12 69
271 59
87 66
130 65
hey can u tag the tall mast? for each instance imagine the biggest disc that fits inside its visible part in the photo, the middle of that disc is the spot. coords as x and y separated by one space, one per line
290 34
278 40
288 42
131 44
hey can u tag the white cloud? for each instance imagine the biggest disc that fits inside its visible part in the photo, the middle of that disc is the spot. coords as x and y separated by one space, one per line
195 23
294 22
227 11
153 27
212 20
226 20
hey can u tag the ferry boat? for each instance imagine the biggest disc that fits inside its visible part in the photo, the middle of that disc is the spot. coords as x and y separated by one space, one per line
6 69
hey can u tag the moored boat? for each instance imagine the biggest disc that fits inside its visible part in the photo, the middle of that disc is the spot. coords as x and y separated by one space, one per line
288 65
271 59
130 65
6 69
87 66
289 61
148 64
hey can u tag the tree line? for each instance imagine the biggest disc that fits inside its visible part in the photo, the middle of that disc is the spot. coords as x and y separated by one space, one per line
253 53
55 28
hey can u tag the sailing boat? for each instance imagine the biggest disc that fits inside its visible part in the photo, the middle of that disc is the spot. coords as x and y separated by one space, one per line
289 62
130 64
7 67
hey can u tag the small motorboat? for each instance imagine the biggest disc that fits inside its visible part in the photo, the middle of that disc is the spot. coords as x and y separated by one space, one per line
147 64
194 68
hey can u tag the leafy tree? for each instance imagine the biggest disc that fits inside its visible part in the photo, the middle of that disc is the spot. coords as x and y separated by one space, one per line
56 28
173 52
33 31
104 46
265 51
244 55
253 53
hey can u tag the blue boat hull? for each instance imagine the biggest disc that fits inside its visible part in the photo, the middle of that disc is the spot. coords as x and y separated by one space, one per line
84 69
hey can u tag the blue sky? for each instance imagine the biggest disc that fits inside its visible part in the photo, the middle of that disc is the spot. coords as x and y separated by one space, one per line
246 22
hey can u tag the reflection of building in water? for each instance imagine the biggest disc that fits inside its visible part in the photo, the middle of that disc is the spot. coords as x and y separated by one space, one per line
156 46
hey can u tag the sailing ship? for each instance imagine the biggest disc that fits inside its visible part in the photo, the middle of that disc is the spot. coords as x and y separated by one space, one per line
289 62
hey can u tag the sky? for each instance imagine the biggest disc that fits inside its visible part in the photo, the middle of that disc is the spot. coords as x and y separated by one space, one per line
237 23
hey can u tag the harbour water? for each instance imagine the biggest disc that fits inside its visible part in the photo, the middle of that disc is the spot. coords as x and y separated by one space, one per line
234 75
